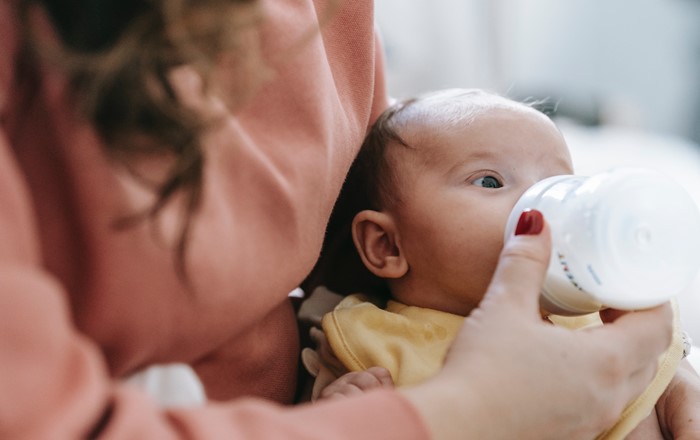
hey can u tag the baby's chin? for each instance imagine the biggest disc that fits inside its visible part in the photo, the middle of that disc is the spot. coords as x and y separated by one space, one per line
464 309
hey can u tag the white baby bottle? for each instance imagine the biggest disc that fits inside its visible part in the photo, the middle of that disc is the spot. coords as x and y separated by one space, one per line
625 238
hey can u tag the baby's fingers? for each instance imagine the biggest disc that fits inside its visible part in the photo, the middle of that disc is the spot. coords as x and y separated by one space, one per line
358 382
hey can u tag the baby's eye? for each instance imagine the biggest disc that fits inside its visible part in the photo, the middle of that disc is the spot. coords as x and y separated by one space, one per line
488 182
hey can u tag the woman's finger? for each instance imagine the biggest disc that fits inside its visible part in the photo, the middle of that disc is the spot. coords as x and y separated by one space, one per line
523 264
639 337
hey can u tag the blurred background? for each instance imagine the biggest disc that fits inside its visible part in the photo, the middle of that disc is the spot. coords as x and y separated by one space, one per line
635 64
622 78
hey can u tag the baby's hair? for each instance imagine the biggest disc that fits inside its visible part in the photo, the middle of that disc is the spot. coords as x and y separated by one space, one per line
371 171
373 174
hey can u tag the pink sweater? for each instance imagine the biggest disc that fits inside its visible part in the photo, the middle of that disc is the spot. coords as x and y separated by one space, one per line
82 304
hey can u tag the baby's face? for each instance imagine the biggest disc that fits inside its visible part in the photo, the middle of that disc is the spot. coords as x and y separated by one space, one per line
457 189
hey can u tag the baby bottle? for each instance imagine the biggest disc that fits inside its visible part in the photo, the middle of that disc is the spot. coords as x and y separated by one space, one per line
626 238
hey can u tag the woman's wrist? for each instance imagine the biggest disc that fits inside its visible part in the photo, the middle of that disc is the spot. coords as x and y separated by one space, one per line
448 411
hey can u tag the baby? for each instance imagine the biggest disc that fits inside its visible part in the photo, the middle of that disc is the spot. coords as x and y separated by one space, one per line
441 174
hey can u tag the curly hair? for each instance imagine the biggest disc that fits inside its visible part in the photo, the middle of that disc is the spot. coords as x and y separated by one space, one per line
117 55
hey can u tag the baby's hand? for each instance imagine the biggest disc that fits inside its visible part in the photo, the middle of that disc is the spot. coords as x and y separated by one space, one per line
357 382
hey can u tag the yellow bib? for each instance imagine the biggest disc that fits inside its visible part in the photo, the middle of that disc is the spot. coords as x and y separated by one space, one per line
411 342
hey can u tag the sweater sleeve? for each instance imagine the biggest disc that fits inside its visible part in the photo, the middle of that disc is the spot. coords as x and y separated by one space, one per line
56 385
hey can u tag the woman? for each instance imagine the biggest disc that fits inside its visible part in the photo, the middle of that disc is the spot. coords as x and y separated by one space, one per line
167 172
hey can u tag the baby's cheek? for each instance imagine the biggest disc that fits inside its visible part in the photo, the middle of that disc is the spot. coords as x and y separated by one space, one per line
477 279
489 262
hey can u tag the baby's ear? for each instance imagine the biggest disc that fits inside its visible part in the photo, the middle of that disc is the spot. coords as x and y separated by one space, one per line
377 241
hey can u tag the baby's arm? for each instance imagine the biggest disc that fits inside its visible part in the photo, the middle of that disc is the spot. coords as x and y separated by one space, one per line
679 406
677 410
648 429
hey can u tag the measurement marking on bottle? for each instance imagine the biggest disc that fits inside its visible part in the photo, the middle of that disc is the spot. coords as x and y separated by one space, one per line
567 271
594 275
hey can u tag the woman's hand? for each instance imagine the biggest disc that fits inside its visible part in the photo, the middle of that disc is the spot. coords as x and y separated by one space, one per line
510 374
678 409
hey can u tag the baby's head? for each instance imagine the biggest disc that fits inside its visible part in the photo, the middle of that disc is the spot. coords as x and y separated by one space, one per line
442 172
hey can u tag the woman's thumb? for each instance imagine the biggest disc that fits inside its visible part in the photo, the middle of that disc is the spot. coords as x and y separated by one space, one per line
523 264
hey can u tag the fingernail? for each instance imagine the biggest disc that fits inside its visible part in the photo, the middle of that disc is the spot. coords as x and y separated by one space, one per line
530 222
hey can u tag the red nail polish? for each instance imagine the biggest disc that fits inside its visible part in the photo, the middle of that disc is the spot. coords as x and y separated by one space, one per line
530 222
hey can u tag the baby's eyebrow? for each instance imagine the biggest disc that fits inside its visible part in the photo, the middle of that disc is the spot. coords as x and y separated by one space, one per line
471 158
